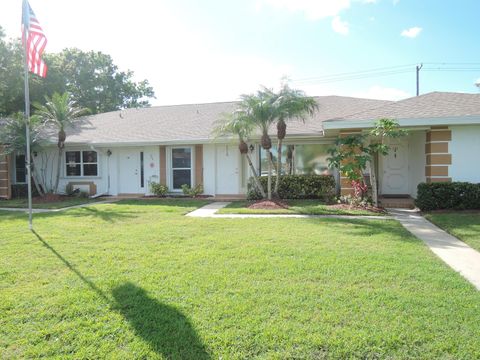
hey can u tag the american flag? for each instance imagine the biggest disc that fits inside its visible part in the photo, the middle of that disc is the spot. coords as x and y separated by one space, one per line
34 41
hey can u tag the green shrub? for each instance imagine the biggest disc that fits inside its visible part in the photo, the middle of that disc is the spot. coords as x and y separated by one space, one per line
454 195
298 187
193 192
19 191
158 189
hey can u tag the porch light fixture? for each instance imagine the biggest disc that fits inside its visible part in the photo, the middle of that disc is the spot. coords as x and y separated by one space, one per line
109 152
251 147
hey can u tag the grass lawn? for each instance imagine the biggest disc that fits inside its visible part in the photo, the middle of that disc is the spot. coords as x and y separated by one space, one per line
307 207
462 224
68 201
138 280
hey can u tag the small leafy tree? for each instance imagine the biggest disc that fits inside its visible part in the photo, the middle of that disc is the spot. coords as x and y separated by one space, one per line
354 154
13 140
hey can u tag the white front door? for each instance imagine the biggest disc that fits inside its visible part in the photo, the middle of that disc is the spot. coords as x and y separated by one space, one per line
395 169
228 162
129 168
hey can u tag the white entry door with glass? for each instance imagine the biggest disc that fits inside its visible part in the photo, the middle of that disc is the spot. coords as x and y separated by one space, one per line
181 166
131 171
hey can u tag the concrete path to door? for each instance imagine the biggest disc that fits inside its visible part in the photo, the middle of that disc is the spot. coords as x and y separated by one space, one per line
455 253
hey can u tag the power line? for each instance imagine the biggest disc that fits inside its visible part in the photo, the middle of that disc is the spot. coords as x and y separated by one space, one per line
389 71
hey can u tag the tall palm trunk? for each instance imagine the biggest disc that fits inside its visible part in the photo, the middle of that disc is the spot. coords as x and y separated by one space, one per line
61 144
281 133
35 178
59 168
243 148
255 176
279 165
269 178
267 145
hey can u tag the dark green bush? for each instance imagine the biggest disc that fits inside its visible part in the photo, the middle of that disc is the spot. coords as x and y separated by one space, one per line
298 187
454 195
20 191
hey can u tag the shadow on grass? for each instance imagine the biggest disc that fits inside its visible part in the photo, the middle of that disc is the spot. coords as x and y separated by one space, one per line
371 227
88 282
165 328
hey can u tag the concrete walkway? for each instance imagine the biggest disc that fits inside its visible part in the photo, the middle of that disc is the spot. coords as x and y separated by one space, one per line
458 255
210 211
38 211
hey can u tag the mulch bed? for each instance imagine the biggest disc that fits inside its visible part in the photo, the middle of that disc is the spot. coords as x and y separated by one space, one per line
49 198
269 205
351 207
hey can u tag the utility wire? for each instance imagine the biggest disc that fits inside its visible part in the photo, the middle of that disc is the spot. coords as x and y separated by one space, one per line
388 71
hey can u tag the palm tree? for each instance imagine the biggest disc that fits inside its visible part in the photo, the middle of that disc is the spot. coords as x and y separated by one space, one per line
260 109
239 125
60 111
289 104
13 139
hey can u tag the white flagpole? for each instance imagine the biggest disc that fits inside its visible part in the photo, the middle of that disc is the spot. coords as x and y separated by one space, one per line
27 124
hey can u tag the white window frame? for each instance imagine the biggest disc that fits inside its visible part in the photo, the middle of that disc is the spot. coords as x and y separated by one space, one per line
81 163
171 168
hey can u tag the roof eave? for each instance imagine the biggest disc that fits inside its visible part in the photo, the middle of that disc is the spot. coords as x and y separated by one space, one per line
405 122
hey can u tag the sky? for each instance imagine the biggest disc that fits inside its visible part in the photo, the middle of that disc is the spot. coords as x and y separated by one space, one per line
213 50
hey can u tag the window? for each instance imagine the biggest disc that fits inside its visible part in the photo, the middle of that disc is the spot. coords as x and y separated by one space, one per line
81 163
181 167
20 169
298 159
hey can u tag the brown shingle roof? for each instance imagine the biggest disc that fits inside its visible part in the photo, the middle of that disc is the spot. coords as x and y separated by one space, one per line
193 122
431 105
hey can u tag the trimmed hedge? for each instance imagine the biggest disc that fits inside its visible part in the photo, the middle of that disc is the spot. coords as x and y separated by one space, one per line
297 187
453 195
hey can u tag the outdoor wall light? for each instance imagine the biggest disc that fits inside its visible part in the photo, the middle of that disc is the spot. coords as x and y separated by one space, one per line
251 147
109 152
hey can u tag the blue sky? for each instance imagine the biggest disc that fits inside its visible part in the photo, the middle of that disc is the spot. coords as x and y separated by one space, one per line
215 50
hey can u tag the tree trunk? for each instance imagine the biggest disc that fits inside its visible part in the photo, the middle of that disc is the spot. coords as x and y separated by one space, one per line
255 176
373 180
269 179
59 168
33 173
279 165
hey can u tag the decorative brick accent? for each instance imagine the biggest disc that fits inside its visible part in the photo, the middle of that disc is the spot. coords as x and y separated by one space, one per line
5 186
198 164
163 165
437 154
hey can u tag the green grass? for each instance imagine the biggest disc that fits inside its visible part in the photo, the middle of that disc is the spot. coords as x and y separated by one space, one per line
138 280
306 207
68 201
462 224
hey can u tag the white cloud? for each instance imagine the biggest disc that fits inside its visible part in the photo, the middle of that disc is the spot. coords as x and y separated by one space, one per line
412 32
383 93
340 26
395 2
313 9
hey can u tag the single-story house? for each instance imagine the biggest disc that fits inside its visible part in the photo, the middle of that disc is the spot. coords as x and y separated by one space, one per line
121 152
